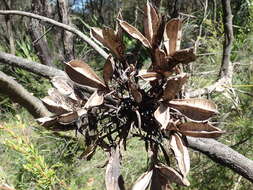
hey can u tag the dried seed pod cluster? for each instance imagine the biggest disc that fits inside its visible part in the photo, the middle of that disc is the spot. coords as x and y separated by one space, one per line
147 104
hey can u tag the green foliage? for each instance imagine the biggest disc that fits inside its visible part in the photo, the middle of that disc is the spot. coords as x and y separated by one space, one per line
33 169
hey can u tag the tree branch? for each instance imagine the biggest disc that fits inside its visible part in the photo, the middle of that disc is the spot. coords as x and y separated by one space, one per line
18 94
37 68
218 86
64 26
223 155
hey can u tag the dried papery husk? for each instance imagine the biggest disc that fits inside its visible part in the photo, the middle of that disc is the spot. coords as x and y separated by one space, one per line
159 181
197 109
135 33
151 22
172 175
172 35
202 130
162 115
181 153
108 69
81 73
110 39
143 181
96 99
173 86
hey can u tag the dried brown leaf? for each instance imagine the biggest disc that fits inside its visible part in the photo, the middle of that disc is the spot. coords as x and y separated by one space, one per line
197 109
143 181
181 153
108 69
81 73
203 130
132 31
54 106
172 35
97 35
172 175
67 117
96 99
64 86
173 86
109 38
113 42
162 115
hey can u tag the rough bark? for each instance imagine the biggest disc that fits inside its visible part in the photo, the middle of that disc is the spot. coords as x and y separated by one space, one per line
223 155
176 8
37 34
67 37
9 28
226 69
28 65
156 3
61 25
17 93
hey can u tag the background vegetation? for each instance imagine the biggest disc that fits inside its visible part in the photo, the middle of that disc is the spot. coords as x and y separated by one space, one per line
34 158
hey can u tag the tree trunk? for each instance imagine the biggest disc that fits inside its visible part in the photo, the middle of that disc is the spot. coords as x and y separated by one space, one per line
9 28
226 69
67 37
37 34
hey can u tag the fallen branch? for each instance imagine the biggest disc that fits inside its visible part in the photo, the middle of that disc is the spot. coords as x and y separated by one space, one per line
19 94
223 155
61 25
37 68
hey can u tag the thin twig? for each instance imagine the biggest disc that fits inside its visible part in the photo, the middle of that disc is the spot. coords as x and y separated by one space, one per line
61 25
45 33
201 26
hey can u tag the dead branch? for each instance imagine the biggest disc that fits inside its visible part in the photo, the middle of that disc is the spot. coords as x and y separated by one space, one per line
37 68
17 93
61 25
218 86
223 155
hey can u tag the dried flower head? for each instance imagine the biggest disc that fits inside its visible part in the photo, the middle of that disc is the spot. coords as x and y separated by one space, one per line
147 104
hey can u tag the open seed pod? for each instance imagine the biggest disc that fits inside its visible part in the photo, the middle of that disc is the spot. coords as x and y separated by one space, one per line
131 98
